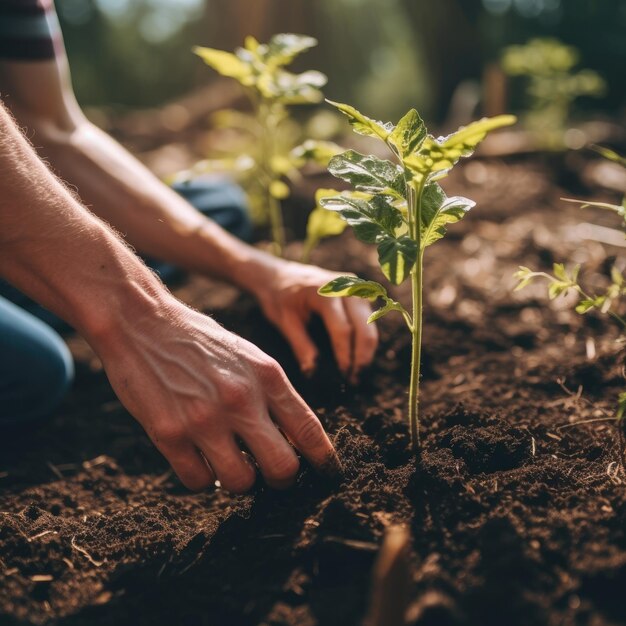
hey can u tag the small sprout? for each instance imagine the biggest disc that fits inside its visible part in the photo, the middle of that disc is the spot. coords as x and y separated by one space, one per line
561 281
398 206
270 151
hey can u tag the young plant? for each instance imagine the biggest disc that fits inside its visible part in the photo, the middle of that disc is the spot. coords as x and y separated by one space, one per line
272 154
553 85
399 206
561 281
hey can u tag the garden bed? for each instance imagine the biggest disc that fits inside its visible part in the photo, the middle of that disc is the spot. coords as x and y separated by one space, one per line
516 511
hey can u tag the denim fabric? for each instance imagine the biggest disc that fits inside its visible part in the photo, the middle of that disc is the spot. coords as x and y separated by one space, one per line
36 368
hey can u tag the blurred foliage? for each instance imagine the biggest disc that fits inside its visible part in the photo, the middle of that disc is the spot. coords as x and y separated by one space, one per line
268 153
552 85
136 52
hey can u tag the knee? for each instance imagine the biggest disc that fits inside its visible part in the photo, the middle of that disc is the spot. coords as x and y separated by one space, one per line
43 373
56 373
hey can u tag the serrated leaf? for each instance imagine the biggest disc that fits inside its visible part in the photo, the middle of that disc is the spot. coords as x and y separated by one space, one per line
409 134
371 219
345 286
468 137
368 173
439 155
438 211
397 257
362 124
226 63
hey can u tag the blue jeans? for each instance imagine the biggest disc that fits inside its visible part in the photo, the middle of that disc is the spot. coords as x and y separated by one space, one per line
36 368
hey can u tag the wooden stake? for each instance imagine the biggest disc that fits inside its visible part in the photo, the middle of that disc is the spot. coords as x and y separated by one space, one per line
391 580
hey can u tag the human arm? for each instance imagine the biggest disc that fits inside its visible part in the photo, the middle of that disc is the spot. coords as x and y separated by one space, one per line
159 223
193 386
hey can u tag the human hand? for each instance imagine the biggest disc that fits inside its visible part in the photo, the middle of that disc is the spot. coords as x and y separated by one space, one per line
197 389
287 293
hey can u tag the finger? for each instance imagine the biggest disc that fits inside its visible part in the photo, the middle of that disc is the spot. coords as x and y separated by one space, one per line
191 467
365 335
300 424
276 458
303 347
233 470
340 331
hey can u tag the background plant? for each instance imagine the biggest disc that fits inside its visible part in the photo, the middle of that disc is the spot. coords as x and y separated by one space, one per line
562 280
553 85
271 154
399 206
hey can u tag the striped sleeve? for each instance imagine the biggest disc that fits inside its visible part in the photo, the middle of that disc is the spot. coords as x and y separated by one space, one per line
29 30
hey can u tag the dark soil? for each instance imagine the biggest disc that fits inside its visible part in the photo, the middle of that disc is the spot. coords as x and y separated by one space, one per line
517 511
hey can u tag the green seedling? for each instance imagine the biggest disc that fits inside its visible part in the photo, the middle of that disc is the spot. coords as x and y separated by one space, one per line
270 156
553 85
561 281
399 206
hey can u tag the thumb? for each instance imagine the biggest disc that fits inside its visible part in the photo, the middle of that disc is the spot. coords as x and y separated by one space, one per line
303 347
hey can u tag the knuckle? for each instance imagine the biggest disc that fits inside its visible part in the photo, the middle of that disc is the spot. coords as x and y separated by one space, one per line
195 482
271 374
238 481
168 434
198 418
309 432
235 394
282 468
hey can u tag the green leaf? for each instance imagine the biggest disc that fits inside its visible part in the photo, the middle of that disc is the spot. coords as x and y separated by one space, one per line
438 211
283 48
560 272
345 286
290 88
320 152
611 155
368 173
584 305
390 305
371 219
226 63
621 406
322 222
409 134
437 156
362 124
468 137
397 257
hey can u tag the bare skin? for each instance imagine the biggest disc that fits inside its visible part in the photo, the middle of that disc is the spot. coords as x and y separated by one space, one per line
192 385
159 223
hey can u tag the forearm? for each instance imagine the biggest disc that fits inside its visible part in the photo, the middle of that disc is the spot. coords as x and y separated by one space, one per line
61 255
152 217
